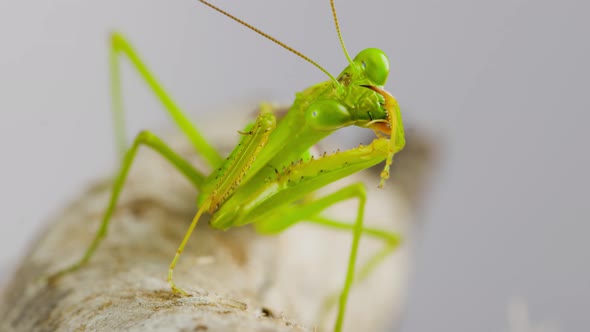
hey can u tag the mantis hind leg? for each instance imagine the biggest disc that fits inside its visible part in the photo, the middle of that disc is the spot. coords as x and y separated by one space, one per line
143 138
309 211
119 45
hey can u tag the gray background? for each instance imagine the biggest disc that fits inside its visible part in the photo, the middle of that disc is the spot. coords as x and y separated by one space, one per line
502 84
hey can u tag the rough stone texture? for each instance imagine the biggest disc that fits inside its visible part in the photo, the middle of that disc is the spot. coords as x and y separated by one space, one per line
237 280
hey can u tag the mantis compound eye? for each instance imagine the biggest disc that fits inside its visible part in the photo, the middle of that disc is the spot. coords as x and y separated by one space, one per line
327 115
375 64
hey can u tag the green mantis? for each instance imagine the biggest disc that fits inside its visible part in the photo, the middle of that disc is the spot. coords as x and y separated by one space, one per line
269 179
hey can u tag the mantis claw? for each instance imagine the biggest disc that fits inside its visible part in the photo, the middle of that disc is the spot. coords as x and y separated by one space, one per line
173 286
396 133
177 290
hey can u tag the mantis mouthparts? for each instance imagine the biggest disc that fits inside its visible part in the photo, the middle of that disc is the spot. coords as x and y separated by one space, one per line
395 128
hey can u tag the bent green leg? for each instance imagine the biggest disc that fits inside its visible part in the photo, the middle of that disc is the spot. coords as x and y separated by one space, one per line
309 211
391 242
143 138
120 45
390 239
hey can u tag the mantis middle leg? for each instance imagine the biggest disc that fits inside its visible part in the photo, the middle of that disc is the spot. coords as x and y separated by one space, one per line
309 211
391 242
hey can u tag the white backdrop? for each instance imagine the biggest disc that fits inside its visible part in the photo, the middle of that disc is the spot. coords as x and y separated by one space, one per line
503 84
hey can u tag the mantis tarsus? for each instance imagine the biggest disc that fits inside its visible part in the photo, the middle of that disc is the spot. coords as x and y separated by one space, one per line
270 177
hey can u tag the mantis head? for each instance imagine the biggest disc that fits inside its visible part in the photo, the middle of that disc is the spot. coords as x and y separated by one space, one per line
362 101
356 97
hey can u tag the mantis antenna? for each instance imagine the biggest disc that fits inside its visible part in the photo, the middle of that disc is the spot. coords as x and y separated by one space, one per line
340 33
276 41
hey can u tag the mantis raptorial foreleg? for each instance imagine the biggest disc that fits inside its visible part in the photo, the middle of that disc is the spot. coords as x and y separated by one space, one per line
143 138
119 45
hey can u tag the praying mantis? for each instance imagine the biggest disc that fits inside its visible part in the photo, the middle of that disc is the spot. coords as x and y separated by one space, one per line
270 178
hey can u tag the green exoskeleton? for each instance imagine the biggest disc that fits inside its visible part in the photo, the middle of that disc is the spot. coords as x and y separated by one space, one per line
270 177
